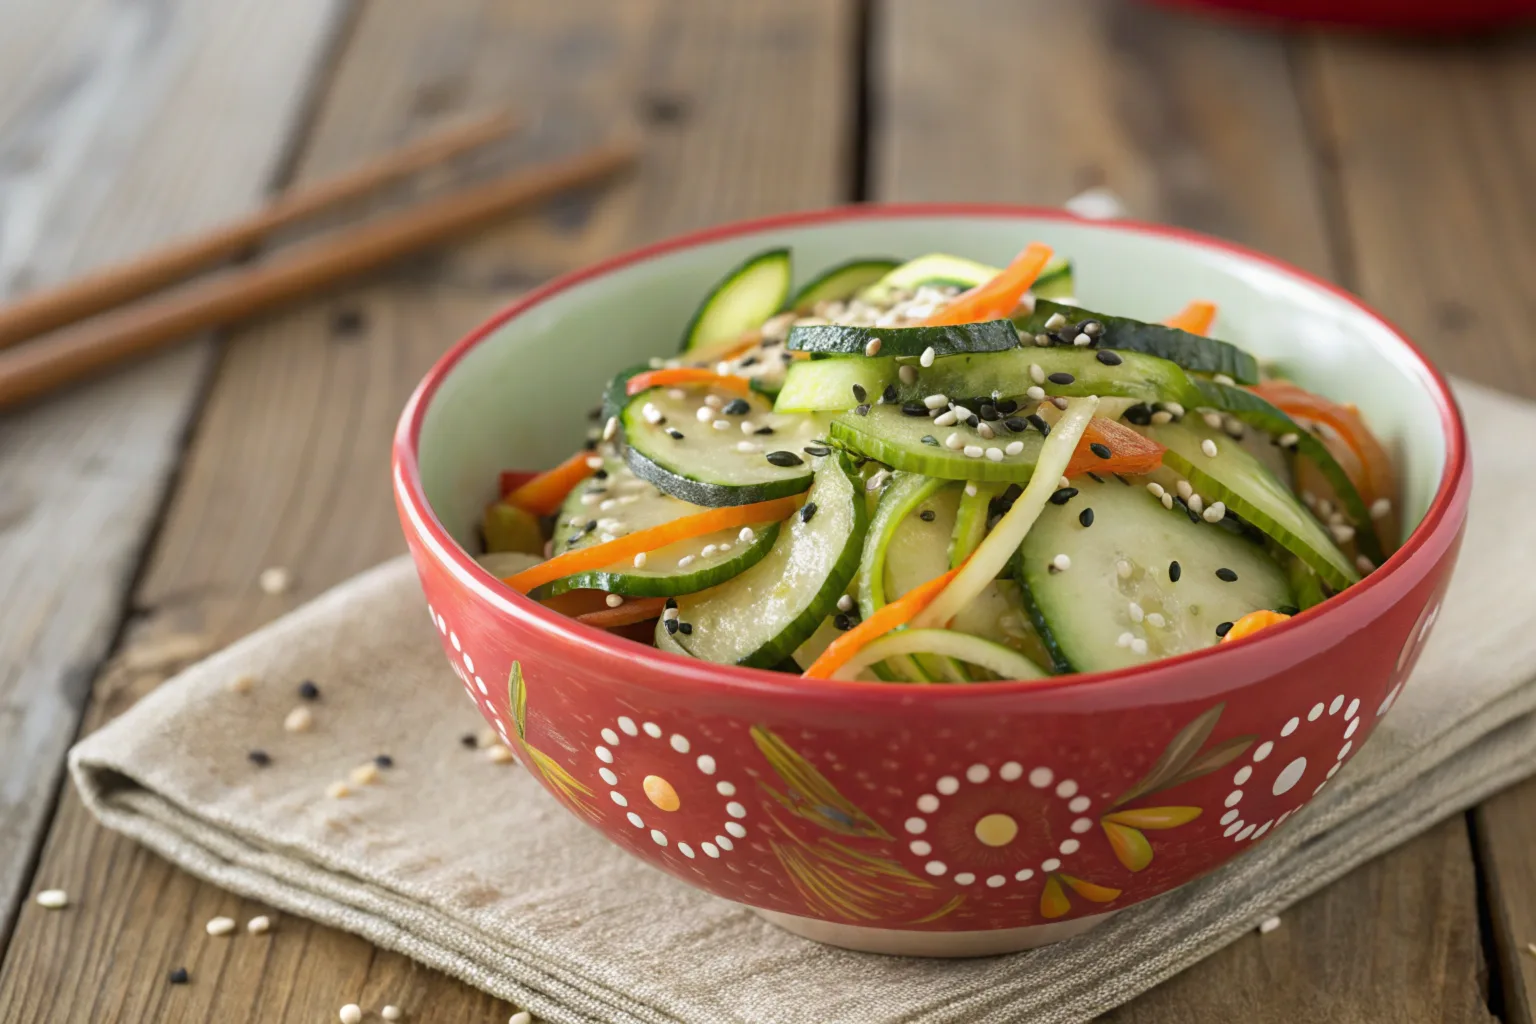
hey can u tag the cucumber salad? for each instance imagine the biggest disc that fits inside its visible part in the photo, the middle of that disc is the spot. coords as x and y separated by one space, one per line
939 471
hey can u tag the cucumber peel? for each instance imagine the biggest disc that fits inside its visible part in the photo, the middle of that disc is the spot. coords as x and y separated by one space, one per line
1191 351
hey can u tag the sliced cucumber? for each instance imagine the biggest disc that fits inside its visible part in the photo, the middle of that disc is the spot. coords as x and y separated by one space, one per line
941 269
913 513
1056 281
686 567
1260 414
1237 479
971 521
840 282
888 435
615 493
713 466
744 298
995 658
1087 608
1191 351
760 617
948 340
998 614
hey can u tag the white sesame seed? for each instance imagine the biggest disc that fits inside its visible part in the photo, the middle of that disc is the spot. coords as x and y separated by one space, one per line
365 774
1213 420
338 791
1175 408
722 424
1062 481
594 462
351 1014
1268 925
220 926
1061 563
1155 619
945 419
1136 613
1215 513
624 499
926 359
610 428
1161 417
709 550
1337 517
1288 440
606 537
1056 320
613 600
747 535
1196 504
651 413
1123 569
669 613
1082 341
1138 646
1234 427
908 374
1221 378
1060 403
873 348
1324 508
685 561
242 684
1124 640
391 1013
1014 448
954 442
995 454
676 394
747 426
970 489
589 499
1343 533
1035 393
704 414
845 603
713 401
961 411
53 899
259 925
936 401
1184 489
656 362
275 580
1155 489
986 431
300 719
1381 508
520 1017
1209 447
745 447
1043 340
1036 374
608 504
1309 499
1167 500
973 451
497 753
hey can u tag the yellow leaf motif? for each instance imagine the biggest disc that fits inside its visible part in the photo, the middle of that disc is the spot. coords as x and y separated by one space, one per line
809 795
1130 846
1053 899
1154 817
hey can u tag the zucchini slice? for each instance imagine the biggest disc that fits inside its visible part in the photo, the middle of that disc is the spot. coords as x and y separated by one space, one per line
941 269
744 298
1191 351
888 435
948 340
1102 616
995 658
686 567
760 617
840 282
916 553
1236 478
714 461
971 521
613 501
888 566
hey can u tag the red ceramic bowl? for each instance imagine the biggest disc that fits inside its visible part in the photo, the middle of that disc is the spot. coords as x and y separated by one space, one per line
943 820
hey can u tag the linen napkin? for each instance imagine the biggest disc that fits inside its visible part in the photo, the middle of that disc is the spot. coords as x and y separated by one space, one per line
467 865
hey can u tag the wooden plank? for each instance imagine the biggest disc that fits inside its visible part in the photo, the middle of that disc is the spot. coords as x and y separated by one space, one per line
1198 124
286 466
1433 153
120 125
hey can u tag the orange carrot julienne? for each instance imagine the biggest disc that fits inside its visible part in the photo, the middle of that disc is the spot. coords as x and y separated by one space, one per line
544 493
1252 623
685 375
1129 453
1195 318
898 613
999 297
627 614
622 548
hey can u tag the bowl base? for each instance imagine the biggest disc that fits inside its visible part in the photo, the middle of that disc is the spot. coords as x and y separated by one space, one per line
898 942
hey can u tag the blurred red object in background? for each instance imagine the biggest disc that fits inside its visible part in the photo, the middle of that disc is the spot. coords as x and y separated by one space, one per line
1393 15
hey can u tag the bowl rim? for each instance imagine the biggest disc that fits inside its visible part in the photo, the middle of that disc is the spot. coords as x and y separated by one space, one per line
1443 518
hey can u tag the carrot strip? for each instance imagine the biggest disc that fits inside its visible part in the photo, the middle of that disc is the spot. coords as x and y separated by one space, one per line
897 613
622 548
685 375
998 298
1253 622
1196 318
1130 453
544 493
630 612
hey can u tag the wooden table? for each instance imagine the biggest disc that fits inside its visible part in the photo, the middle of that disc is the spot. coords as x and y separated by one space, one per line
137 513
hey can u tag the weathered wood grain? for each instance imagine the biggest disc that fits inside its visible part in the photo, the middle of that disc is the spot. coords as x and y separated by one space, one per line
1433 150
120 124
288 463
1195 123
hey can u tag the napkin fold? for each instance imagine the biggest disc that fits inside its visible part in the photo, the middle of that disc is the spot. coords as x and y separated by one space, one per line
468 866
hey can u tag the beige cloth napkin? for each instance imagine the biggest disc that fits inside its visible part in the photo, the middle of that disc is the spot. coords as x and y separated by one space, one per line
468 866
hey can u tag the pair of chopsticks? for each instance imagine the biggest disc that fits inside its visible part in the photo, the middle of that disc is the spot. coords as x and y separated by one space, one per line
31 365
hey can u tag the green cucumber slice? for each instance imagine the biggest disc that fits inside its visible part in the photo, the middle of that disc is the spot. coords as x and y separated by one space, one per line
971 521
1236 478
744 298
686 567
998 614
1191 351
1086 608
840 282
615 493
710 466
995 658
942 269
760 617
898 552
1056 281
948 340
1260 414
915 555
888 435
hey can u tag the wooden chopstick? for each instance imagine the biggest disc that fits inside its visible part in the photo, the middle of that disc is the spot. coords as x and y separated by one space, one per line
30 370
75 300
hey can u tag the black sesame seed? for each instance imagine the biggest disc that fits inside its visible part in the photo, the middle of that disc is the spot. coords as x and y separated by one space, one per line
1288 609
930 440
1063 495
674 433
859 394
1108 358
844 622
589 445
736 407
806 511
1061 378
1040 424
259 758
1015 424
763 431
179 976
973 422
1096 478
1194 516
685 628
914 409
1223 628
1140 415
601 474
861 410
927 515
1101 450
591 525
785 459
1174 572
749 361
888 396
1226 575
384 761
988 412
309 691
468 740
595 413
1085 517
670 625
817 450
1007 407
671 602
